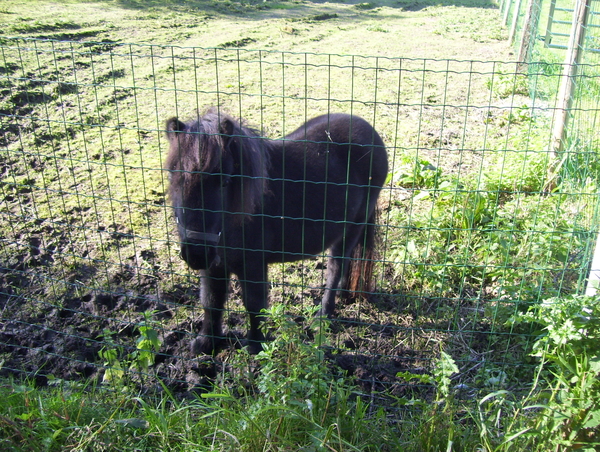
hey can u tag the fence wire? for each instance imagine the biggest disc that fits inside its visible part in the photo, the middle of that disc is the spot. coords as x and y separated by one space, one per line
552 27
474 227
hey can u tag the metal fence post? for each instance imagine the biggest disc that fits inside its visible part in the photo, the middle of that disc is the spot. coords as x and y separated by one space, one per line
594 277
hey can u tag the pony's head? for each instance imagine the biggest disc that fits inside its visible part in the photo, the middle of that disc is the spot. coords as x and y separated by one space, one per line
217 174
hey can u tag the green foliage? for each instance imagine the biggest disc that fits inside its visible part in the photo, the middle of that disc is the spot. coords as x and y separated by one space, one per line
500 232
289 398
414 173
308 377
569 352
561 410
294 400
578 168
443 368
111 354
438 426
117 360
148 343
506 85
517 171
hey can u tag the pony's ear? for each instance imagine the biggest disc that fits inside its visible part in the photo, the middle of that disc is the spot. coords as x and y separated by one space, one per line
227 127
174 125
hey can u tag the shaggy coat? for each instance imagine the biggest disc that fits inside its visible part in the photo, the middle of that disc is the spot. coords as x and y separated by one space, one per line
243 202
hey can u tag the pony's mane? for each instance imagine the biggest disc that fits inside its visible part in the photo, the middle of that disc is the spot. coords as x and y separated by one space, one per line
199 147
203 144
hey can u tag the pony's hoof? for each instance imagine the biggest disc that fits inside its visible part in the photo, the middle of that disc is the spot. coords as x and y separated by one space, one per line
255 347
203 345
324 313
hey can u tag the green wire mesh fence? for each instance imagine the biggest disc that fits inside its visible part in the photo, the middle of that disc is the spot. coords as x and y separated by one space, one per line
559 28
552 24
474 227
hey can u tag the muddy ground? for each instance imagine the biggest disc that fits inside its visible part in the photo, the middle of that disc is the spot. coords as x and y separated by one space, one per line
63 340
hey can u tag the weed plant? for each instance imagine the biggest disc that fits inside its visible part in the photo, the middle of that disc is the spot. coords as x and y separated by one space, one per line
118 362
490 235
569 388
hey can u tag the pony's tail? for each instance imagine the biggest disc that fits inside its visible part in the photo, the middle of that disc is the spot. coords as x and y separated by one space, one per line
359 283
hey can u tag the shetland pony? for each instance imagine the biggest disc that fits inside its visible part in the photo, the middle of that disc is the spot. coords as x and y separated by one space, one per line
242 202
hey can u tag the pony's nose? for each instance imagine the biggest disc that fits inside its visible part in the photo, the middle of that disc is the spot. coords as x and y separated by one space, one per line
199 256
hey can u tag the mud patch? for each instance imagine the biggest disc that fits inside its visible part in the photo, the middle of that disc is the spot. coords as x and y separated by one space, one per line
29 97
63 338
238 43
9 68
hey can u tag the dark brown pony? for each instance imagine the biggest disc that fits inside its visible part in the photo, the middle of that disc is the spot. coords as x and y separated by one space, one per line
243 202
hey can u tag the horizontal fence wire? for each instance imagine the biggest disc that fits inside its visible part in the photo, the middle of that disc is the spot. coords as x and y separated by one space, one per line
472 230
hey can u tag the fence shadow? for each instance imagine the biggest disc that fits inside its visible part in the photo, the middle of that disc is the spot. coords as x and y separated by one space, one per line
238 6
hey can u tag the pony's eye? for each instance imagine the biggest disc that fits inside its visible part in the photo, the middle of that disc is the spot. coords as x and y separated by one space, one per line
226 181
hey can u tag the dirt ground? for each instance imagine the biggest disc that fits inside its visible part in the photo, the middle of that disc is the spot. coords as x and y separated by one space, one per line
371 341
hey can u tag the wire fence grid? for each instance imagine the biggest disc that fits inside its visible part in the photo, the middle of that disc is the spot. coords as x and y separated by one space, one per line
553 23
474 226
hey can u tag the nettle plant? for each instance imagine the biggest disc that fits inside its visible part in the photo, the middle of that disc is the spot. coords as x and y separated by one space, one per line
292 367
118 361
568 347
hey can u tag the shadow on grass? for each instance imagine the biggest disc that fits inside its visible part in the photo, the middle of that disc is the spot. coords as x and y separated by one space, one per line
236 6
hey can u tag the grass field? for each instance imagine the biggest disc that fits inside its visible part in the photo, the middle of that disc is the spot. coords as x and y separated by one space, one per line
475 229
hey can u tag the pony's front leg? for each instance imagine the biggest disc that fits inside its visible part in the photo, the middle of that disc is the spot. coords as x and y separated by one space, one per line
213 293
254 293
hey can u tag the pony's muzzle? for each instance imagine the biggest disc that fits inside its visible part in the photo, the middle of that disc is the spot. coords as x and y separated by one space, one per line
206 237
199 249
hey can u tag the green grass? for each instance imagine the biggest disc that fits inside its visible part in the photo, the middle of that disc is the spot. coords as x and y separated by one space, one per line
293 401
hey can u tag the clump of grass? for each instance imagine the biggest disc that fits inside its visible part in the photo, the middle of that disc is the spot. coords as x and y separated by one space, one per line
366 6
505 85
43 26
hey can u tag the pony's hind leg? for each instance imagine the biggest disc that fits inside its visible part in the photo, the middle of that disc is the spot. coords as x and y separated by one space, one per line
338 266
334 275
213 293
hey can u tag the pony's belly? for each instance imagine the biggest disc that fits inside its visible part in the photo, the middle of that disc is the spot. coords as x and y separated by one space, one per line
304 241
